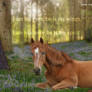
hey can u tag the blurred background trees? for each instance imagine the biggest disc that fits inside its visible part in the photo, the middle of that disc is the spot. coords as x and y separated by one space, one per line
53 20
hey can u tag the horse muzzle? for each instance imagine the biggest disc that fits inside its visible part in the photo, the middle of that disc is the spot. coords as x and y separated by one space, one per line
37 71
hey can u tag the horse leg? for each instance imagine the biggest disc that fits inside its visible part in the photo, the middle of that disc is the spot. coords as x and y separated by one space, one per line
42 85
65 84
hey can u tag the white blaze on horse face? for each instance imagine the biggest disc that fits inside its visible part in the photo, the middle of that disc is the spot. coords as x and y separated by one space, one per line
37 55
36 50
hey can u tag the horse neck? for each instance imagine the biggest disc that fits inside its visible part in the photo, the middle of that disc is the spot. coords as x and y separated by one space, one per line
50 68
50 51
52 54
48 65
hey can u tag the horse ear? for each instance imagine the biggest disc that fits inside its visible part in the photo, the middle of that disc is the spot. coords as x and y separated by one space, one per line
32 40
41 40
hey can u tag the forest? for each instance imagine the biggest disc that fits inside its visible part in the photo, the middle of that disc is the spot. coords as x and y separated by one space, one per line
64 24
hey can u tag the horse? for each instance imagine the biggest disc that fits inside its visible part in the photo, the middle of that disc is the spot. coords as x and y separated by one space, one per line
61 70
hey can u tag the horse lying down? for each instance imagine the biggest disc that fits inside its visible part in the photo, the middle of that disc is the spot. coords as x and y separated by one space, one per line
61 70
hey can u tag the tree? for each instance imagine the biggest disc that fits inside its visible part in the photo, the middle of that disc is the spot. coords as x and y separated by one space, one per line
70 22
36 24
85 20
75 31
21 22
5 25
3 60
31 22
74 14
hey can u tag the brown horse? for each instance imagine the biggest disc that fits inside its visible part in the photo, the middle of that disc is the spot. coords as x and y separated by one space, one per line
61 70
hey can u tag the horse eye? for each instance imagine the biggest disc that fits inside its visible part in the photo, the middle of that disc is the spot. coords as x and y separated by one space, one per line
43 53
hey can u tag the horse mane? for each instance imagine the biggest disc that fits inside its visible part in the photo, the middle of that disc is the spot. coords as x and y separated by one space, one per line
56 57
67 57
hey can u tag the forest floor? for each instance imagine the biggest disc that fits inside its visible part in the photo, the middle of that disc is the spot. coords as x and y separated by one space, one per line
21 78
80 50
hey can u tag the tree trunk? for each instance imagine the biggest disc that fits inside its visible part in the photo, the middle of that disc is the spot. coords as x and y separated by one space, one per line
5 25
22 22
42 22
70 22
75 31
31 20
36 20
84 22
3 60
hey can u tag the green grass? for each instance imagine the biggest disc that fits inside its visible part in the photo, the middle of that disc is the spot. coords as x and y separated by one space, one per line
71 54
90 44
63 47
84 53
21 76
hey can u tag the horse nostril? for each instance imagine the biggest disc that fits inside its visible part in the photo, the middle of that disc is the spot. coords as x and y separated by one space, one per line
37 71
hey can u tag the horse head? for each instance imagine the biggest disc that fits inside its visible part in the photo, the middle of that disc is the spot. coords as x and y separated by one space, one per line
39 53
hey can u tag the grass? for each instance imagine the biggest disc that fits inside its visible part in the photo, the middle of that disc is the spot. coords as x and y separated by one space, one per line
90 44
84 53
63 47
71 54
20 75
20 78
